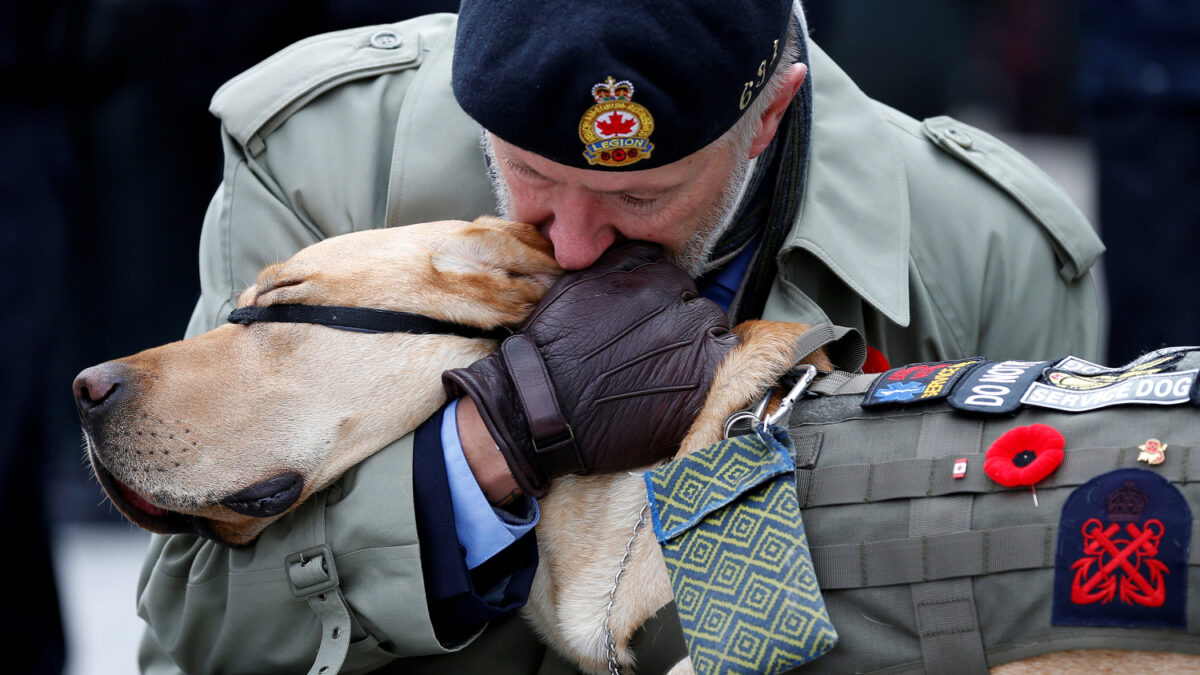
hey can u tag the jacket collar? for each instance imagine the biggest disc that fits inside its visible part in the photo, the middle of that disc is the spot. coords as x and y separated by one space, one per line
854 212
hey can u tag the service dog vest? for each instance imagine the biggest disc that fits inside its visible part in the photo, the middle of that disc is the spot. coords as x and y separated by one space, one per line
928 563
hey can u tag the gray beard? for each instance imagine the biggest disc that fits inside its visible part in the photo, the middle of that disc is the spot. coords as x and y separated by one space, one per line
693 255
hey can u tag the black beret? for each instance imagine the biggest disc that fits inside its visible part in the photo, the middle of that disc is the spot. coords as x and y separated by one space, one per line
614 84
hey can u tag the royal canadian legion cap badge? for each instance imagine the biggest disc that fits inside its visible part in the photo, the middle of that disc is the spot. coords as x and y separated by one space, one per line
616 131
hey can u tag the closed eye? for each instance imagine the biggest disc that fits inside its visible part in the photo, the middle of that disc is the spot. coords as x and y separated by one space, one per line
524 171
636 202
274 285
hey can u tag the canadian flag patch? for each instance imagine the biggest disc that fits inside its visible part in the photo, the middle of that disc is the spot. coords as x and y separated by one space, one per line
960 467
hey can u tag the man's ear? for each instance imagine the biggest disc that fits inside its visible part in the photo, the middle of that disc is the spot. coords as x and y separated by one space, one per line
769 124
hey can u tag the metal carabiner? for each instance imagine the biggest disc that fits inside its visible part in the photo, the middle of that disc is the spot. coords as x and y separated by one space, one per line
755 415
785 406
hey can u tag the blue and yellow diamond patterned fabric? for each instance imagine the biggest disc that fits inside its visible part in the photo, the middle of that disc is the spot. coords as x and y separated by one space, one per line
728 520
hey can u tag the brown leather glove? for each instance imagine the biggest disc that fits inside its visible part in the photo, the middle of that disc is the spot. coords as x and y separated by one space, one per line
607 374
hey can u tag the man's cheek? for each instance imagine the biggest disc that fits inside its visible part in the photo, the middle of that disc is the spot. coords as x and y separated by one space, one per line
664 227
526 206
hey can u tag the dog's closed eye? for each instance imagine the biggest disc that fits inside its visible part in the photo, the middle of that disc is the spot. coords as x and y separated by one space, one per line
270 281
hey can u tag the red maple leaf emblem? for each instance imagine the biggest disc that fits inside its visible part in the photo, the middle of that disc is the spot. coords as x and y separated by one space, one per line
616 124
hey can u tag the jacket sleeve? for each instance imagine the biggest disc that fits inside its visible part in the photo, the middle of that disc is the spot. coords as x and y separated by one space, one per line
461 601
212 609
309 139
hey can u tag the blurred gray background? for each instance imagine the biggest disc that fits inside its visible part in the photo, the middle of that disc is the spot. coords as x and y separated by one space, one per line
109 158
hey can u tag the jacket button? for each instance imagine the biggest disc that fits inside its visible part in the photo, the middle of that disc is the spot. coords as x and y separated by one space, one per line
960 138
385 39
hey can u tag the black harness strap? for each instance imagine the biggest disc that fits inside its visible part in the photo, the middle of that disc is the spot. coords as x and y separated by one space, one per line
658 643
362 319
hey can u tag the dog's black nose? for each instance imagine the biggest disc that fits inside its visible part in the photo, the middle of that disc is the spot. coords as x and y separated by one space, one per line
97 390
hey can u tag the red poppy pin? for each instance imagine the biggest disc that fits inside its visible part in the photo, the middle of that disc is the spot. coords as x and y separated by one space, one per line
1024 456
876 362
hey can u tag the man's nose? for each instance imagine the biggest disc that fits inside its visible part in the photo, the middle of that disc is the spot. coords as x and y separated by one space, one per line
580 232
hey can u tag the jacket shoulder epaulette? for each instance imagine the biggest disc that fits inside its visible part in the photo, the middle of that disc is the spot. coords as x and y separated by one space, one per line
258 101
1075 241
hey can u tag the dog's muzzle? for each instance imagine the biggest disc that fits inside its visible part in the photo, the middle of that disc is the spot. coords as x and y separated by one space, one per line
263 500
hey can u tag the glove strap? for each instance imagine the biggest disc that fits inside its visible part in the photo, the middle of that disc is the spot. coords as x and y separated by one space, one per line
552 438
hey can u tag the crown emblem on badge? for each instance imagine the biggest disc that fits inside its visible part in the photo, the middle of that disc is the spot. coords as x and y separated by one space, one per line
1126 503
610 90
616 131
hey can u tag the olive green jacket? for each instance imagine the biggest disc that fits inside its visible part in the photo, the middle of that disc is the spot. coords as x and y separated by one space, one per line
932 237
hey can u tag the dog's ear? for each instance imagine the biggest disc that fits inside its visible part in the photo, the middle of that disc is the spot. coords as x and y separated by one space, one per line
493 246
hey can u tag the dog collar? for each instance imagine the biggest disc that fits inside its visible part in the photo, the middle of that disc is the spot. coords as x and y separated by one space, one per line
362 319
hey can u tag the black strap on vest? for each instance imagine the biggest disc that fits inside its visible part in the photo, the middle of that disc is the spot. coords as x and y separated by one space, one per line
362 319
658 643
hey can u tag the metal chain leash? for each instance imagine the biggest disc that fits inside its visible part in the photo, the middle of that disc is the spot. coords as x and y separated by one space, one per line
614 666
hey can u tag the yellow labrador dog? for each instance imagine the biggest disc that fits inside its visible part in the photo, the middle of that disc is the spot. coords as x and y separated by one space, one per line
224 433
228 431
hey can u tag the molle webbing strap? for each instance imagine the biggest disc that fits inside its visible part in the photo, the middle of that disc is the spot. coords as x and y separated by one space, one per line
934 477
840 382
945 556
947 620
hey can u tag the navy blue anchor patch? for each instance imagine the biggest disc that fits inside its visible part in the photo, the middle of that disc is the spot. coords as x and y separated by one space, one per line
1122 553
